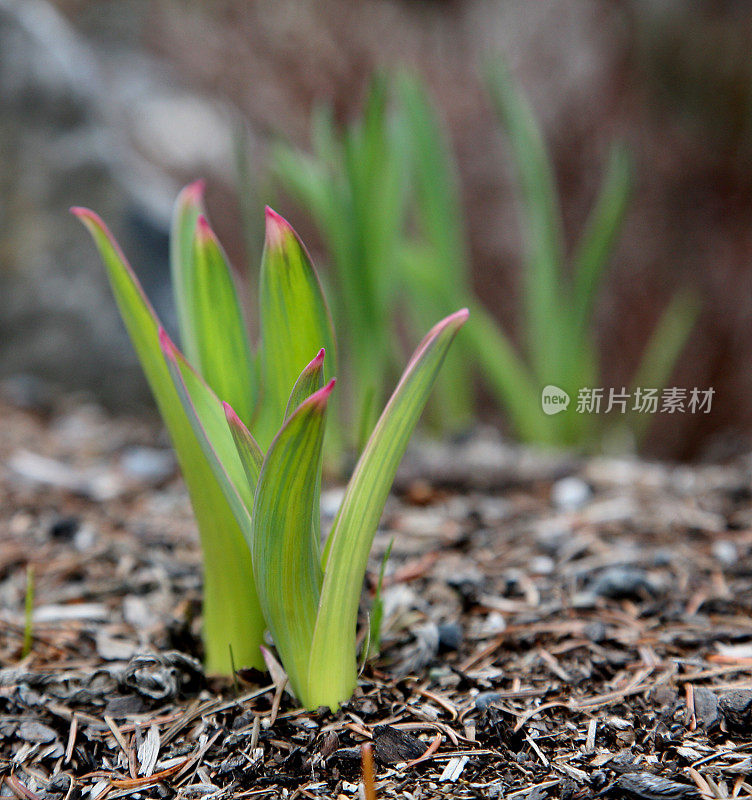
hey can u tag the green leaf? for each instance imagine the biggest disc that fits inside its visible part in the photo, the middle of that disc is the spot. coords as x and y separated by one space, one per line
295 321
545 291
436 184
205 295
508 377
207 416
663 349
597 242
354 187
332 670
188 206
224 352
232 617
436 270
286 558
248 449
311 379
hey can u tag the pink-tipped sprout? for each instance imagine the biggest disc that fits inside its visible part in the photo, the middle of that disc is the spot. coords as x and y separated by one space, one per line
320 397
193 193
204 233
232 418
316 362
277 227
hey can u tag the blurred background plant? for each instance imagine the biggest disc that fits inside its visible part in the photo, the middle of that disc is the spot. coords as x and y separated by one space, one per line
384 195
116 104
559 298
353 185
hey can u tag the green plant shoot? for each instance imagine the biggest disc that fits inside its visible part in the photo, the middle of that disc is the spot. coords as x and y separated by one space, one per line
310 594
248 429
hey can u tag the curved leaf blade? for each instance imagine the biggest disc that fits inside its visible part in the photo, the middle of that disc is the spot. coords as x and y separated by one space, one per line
188 206
248 449
601 230
663 349
285 557
544 284
231 612
206 414
309 381
332 670
224 351
295 321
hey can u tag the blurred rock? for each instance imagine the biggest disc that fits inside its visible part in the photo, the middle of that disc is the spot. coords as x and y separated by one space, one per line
620 582
706 708
148 464
57 318
736 708
570 493
99 129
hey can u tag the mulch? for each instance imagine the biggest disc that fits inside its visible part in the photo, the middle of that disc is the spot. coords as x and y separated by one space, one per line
553 627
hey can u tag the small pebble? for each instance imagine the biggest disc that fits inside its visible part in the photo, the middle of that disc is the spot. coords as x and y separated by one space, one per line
736 708
148 464
551 536
450 636
623 583
570 494
664 695
64 528
725 551
84 538
392 745
595 631
706 708
32 731
662 558
331 500
494 623
542 565
485 699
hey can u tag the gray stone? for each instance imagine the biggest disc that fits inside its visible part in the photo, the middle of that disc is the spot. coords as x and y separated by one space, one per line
77 128
707 709
148 464
623 582
570 494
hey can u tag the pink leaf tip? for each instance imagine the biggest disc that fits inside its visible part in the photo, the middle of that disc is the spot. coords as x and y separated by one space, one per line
320 397
456 320
204 233
231 416
316 362
86 215
193 193
277 228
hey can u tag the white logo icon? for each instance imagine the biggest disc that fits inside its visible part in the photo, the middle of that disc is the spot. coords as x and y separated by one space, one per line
553 399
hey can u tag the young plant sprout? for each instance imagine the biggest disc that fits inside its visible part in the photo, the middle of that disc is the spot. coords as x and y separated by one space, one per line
248 429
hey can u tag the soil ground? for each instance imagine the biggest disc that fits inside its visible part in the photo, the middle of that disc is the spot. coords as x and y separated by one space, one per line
553 627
